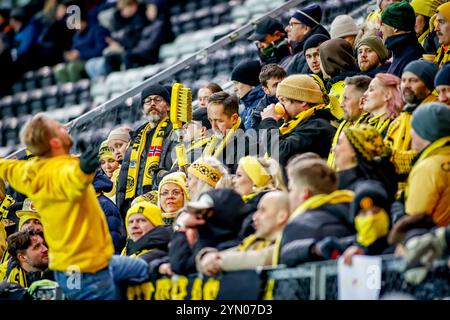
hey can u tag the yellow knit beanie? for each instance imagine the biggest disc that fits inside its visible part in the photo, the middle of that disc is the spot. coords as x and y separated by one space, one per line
179 178
366 140
255 171
444 9
148 210
104 151
426 8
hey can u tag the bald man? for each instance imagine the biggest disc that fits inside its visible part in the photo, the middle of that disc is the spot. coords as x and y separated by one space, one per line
255 250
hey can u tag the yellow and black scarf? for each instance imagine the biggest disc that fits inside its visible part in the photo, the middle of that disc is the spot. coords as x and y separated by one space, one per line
287 127
344 124
152 157
251 240
442 55
214 148
379 123
338 196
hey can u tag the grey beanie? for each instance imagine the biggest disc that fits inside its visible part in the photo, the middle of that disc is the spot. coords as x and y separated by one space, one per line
343 26
425 70
431 121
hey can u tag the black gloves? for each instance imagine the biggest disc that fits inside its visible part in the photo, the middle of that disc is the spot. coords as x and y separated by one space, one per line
89 159
329 248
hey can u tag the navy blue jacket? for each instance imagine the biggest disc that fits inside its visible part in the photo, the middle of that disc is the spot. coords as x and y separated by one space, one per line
115 223
251 101
405 48
91 42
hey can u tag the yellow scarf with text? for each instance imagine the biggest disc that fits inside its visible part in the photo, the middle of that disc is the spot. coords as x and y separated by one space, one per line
152 157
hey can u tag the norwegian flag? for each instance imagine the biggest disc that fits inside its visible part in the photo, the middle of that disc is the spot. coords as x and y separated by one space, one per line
155 151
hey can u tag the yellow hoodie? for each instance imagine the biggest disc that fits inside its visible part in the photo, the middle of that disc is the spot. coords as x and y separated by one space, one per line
74 224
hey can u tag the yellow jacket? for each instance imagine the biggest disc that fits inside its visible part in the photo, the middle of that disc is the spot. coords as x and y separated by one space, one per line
398 139
2 238
428 189
74 224
336 95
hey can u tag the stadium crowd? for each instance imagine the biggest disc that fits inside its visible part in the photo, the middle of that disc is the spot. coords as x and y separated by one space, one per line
341 147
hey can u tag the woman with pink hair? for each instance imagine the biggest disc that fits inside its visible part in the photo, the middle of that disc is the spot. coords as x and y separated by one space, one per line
383 100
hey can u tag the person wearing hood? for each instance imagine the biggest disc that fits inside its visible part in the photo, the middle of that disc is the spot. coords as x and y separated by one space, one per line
398 21
148 238
337 62
372 56
245 77
103 185
271 41
302 25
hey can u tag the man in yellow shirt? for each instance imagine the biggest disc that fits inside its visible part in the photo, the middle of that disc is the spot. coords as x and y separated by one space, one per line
60 187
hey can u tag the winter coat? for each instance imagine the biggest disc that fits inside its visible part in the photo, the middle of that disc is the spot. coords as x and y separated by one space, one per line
153 245
311 135
115 224
263 103
405 48
297 64
251 101
428 190
312 226
91 42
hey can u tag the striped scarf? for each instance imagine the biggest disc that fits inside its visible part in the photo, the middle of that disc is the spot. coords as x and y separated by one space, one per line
153 156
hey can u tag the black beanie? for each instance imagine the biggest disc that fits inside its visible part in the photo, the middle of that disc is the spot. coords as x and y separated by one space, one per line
314 41
156 90
247 72
443 76
373 190
201 115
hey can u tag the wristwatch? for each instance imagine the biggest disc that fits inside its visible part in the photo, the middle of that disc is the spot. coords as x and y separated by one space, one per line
179 227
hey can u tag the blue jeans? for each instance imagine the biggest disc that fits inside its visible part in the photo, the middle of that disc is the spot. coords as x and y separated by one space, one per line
102 285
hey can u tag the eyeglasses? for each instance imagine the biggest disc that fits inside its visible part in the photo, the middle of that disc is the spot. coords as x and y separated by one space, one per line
175 193
292 24
149 100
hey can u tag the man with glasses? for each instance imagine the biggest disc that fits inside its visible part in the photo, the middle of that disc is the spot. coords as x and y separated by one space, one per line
302 25
148 156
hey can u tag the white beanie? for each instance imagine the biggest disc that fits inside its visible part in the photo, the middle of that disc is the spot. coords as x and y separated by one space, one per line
342 26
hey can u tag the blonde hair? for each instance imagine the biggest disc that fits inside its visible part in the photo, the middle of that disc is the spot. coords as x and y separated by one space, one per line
36 135
202 186
276 181
313 174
